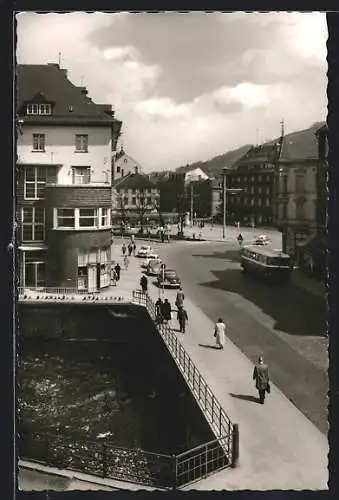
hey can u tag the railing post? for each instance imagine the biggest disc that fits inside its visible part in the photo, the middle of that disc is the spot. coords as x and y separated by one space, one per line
175 472
205 396
220 425
193 377
206 459
189 367
235 445
199 386
212 407
104 460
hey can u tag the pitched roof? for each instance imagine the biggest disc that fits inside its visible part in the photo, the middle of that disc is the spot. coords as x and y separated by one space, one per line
50 84
301 145
135 181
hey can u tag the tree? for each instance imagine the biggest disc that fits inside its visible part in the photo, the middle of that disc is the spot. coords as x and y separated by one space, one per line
142 208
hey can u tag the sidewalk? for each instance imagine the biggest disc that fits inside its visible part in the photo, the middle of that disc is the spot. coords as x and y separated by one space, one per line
279 447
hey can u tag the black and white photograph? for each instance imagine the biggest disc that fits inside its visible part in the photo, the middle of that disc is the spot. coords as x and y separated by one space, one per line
171 241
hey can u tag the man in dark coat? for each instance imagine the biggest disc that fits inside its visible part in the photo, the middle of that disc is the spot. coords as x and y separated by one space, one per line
117 271
179 301
166 310
144 283
158 310
262 380
182 318
130 248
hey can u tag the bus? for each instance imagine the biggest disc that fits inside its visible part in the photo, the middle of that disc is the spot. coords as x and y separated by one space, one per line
266 262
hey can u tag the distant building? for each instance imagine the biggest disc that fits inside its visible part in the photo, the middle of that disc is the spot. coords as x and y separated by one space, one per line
65 144
300 194
252 178
136 197
124 165
195 175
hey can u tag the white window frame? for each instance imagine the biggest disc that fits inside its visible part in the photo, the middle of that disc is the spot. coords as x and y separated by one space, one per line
35 182
33 224
104 218
34 108
95 217
39 140
81 140
57 217
79 176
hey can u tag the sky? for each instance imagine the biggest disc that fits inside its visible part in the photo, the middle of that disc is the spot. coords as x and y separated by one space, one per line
188 87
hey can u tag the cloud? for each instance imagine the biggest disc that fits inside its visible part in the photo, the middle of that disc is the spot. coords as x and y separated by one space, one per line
189 86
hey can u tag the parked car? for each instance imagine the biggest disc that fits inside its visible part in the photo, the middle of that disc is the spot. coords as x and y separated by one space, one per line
154 267
169 278
149 258
262 240
131 230
144 251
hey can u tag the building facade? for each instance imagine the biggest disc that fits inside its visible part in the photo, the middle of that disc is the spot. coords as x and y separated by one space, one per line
136 197
124 165
65 144
250 186
297 193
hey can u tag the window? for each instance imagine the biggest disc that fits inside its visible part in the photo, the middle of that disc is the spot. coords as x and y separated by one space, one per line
88 217
34 269
134 201
125 200
284 184
284 211
259 189
252 189
35 181
149 200
252 202
81 143
104 217
118 170
245 178
268 190
39 142
39 109
259 177
33 224
65 217
245 200
300 210
81 175
268 177
259 202
299 183
268 202
252 178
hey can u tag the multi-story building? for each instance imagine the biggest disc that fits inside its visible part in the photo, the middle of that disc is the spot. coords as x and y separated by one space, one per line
296 190
64 164
252 179
124 165
136 197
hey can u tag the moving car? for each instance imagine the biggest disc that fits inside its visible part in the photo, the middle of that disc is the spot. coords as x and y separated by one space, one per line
262 240
154 267
149 258
144 251
169 278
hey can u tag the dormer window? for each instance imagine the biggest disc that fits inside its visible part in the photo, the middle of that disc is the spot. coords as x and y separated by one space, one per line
39 109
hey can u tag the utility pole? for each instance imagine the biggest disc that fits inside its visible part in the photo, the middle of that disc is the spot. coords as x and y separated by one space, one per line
192 195
224 170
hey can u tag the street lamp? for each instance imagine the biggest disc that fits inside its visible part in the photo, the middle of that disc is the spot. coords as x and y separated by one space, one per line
224 191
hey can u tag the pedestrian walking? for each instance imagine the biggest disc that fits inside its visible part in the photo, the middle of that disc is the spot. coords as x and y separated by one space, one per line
240 239
123 248
262 379
166 311
134 248
126 262
117 271
179 301
130 248
158 310
219 333
144 283
182 318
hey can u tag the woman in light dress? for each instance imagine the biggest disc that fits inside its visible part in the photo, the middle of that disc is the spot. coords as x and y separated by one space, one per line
219 333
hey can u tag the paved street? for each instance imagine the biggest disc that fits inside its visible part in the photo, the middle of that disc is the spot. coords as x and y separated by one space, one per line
283 445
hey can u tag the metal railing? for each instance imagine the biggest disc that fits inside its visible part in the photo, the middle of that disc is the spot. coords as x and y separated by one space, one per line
100 458
135 465
226 432
56 290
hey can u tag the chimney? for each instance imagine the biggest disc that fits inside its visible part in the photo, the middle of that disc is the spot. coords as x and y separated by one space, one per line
135 169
